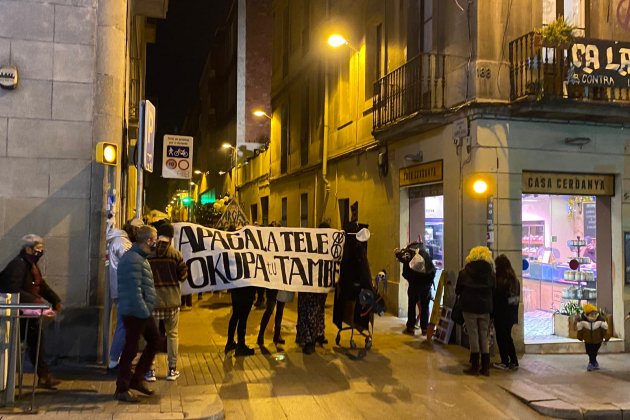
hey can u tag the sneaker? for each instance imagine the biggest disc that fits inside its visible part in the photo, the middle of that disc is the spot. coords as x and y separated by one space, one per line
172 374
150 376
409 331
513 366
590 367
595 366
113 364
501 366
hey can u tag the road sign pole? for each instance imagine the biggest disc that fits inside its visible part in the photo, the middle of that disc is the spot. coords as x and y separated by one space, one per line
140 162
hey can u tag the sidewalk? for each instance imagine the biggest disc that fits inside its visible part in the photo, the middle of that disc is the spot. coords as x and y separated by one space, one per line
401 377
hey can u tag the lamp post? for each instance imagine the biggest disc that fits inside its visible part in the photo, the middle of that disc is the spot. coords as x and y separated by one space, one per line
233 162
261 113
192 186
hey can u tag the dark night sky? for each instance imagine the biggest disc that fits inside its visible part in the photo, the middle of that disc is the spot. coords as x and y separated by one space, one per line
174 65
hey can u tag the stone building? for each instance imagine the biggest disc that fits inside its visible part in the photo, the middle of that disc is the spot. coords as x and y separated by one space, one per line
74 76
427 97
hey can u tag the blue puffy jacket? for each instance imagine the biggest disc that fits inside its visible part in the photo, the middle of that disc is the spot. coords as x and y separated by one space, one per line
136 292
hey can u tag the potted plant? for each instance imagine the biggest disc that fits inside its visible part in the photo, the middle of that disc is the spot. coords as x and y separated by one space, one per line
556 34
565 319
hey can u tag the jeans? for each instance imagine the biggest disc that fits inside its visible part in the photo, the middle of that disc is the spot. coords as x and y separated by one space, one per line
505 342
418 292
134 328
172 339
591 350
477 327
271 304
242 301
118 340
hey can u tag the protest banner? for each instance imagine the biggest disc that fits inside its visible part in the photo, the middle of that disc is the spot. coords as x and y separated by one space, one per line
292 259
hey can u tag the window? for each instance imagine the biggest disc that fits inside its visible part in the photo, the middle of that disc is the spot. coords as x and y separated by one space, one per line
304 210
574 12
344 211
319 106
264 207
305 126
343 91
254 213
375 63
378 56
427 26
286 31
284 211
420 37
284 139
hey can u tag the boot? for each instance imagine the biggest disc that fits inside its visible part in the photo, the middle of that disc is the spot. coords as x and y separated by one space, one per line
243 350
485 364
474 365
48 381
277 339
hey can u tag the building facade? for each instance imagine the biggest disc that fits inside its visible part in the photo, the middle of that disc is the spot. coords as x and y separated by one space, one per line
74 76
428 97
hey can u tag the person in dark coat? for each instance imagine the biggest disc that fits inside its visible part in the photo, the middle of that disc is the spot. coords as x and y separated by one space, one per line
136 300
475 285
419 290
22 275
506 300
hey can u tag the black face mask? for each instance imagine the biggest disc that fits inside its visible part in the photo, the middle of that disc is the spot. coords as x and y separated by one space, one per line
38 254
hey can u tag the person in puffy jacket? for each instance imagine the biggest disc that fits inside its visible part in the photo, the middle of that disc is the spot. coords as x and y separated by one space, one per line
136 300
419 290
475 285
591 329
117 244
22 275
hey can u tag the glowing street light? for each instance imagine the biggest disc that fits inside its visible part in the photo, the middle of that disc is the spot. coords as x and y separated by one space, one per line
222 172
227 146
336 40
261 113
480 186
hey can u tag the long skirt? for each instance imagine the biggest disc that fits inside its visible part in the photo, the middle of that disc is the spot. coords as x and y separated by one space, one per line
311 322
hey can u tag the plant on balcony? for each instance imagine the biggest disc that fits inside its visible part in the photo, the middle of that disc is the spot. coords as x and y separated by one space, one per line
556 34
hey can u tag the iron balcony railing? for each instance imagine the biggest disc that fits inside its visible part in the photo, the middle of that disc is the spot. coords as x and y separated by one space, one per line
416 87
541 73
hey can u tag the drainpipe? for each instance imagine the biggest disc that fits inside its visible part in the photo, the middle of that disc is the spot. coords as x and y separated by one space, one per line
325 140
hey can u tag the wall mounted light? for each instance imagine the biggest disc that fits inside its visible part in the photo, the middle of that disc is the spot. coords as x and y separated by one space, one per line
261 113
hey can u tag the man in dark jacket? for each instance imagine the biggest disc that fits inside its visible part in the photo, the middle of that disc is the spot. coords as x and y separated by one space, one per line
419 291
22 276
169 270
136 299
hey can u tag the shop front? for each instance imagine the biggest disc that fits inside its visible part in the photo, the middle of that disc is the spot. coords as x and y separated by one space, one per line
566 249
422 214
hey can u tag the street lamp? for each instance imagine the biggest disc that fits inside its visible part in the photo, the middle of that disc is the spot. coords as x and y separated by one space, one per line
337 40
261 113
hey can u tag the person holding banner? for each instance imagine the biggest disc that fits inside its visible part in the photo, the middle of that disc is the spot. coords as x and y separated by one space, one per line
242 301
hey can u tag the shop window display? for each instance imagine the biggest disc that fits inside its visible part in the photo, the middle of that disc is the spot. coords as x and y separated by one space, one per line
557 229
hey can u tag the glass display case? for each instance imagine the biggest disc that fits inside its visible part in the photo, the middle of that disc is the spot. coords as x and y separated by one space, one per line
533 238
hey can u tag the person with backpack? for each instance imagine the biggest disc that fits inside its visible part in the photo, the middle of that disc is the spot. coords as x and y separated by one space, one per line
420 277
22 275
506 300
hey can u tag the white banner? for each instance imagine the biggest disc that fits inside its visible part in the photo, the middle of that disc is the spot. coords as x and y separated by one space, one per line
292 259
177 157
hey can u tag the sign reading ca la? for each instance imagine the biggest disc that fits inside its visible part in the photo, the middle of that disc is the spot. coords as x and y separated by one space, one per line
177 157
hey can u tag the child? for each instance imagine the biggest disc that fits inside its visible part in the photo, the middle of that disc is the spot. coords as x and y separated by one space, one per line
591 329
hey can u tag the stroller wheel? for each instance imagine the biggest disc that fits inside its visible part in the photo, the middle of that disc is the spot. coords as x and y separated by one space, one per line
362 353
338 338
368 343
353 345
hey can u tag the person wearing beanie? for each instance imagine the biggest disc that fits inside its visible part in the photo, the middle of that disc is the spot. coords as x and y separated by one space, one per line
169 270
22 275
475 289
591 329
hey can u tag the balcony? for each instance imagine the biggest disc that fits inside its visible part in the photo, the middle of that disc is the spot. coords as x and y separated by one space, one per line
416 88
542 83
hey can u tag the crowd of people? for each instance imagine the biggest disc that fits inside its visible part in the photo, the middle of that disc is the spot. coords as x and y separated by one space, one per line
146 271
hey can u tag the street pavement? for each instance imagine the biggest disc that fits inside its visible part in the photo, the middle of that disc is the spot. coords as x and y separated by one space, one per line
400 377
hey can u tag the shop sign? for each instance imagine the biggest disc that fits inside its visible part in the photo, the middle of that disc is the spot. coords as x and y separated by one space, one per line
596 62
424 173
568 183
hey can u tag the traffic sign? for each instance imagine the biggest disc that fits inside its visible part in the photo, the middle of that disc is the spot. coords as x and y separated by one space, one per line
148 135
177 157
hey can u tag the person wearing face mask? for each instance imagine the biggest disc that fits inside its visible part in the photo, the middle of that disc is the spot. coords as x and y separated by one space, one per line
169 270
22 275
136 300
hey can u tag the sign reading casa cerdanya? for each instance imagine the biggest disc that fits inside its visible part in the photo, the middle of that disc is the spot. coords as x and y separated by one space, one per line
568 183
424 173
